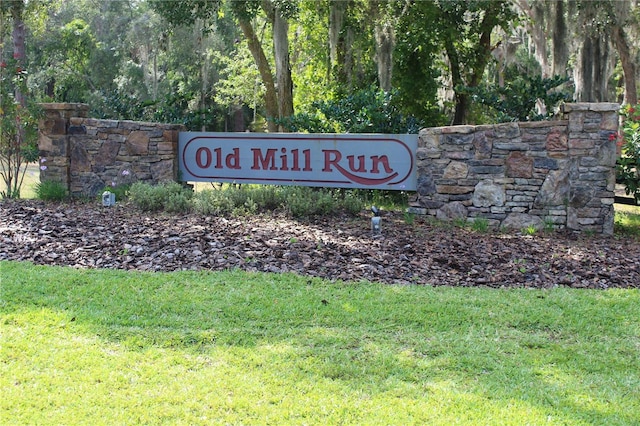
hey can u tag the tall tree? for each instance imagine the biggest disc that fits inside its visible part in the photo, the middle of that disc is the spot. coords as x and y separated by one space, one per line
278 90
18 35
622 19
416 59
467 27
18 115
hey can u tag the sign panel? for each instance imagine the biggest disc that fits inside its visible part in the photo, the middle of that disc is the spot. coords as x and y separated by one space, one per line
372 161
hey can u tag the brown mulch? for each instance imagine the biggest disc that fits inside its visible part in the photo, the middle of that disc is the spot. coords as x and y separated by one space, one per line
87 235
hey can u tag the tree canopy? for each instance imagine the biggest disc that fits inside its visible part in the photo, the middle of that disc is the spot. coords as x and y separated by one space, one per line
272 64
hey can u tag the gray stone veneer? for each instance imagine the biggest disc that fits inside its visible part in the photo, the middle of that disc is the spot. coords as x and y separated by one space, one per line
515 175
88 154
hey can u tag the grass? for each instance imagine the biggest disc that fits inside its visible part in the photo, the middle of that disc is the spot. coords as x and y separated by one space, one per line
31 180
114 347
627 220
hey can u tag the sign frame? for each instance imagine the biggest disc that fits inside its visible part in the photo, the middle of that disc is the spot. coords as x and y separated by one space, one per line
372 161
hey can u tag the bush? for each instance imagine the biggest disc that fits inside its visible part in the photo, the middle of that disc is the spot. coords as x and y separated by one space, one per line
517 99
365 111
50 190
628 170
296 201
169 196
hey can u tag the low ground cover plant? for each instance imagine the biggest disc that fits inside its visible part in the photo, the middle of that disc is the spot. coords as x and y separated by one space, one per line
246 199
248 348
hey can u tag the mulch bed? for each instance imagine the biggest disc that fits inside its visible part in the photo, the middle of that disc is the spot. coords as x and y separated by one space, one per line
87 235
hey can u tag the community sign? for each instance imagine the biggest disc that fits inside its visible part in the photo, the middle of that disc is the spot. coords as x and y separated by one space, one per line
374 161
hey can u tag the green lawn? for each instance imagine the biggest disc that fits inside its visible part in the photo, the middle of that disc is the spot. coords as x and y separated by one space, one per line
110 347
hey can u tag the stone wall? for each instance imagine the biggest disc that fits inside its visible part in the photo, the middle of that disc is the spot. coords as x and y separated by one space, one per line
88 155
557 174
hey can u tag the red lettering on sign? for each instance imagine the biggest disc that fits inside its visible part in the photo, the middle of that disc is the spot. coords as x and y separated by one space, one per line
232 161
289 160
332 159
385 162
263 163
206 152
328 161
296 160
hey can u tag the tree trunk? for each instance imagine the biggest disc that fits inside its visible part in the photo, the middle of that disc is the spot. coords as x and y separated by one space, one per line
18 37
385 42
283 67
592 73
384 36
337 9
628 65
559 40
461 101
536 29
271 97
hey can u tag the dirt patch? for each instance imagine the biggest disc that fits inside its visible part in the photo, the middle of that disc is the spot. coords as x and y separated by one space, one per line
87 235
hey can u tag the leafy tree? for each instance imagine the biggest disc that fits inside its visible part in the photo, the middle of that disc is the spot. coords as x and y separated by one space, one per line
416 59
365 111
465 33
18 114
629 163
278 87
68 53
518 98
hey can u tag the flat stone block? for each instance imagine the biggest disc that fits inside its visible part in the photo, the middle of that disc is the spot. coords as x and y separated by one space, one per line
459 155
507 130
453 189
463 129
510 146
417 210
604 106
581 143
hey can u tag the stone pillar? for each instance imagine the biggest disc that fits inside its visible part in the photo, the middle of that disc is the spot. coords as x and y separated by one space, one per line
592 174
53 140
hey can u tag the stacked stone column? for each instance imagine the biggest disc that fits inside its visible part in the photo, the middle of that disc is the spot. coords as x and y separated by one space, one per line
53 140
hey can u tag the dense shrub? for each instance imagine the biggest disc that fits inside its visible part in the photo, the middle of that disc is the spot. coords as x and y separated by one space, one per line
50 190
628 170
365 111
248 199
519 97
169 196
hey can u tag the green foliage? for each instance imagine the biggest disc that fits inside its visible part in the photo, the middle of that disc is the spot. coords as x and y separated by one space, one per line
18 128
627 221
175 108
168 196
186 12
365 111
415 68
295 201
120 191
50 190
628 169
480 224
244 200
517 99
